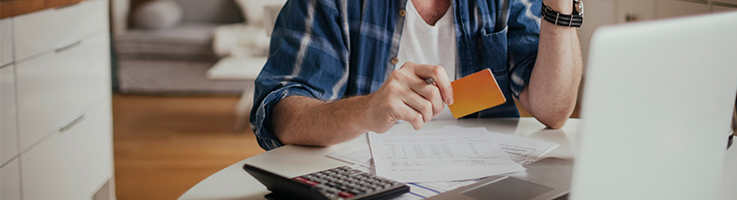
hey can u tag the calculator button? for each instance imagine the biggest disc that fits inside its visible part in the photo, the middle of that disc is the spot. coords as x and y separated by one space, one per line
357 192
312 183
345 194
303 180
332 190
321 187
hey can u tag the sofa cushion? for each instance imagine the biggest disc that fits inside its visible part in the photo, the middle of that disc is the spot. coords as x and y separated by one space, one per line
189 41
160 14
174 77
253 10
211 11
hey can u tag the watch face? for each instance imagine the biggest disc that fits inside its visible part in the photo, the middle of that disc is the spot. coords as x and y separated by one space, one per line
580 8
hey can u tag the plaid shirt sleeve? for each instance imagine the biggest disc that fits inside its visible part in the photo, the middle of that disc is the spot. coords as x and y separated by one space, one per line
308 56
524 36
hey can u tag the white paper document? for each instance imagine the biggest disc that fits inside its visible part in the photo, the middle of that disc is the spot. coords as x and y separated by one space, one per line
359 155
522 150
439 155
425 190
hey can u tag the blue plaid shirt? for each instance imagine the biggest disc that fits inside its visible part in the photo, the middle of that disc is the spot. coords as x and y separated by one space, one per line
331 49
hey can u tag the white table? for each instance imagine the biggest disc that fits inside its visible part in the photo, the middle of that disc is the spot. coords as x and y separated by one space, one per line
239 68
234 183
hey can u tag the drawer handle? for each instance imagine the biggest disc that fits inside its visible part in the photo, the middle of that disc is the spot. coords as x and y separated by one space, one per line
71 124
64 6
69 46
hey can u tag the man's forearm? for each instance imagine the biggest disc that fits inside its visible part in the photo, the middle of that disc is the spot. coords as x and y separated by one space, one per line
307 121
405 95
551 94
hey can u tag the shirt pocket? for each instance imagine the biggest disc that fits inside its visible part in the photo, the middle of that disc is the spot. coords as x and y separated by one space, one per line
493 51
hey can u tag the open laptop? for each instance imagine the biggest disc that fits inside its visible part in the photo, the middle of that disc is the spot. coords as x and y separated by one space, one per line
658 103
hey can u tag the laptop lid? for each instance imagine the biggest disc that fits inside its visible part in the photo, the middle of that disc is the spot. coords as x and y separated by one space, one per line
657 108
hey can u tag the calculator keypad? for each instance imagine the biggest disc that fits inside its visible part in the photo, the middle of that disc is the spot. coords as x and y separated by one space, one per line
345 182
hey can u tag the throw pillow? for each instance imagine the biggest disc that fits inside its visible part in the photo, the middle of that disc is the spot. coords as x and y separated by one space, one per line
253 10
159 14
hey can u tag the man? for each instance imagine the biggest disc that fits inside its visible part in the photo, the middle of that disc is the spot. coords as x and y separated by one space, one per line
341 68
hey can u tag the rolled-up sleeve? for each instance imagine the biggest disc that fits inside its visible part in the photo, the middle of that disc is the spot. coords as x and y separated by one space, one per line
523 40
308 56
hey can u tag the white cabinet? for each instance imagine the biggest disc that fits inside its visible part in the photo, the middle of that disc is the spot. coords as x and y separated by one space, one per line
56 28
55 88
675 8
55 108
8 131
94 17
6 41
10 181
71 164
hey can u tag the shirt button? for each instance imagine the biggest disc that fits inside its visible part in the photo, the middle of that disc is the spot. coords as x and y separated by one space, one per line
402 12
394 60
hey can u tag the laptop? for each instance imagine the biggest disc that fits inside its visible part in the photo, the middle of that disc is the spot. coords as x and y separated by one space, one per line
656 115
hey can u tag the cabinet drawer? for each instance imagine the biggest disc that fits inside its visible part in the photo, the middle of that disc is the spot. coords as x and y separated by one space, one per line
71 164
94 17
6 41
56 27
8 131
57 87
10 181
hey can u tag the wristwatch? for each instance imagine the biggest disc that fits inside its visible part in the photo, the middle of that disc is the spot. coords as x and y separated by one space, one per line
573 20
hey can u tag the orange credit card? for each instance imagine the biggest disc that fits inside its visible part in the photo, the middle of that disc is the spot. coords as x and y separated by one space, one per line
474 93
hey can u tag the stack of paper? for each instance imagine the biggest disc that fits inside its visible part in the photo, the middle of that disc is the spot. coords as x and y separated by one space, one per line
521 150
439 155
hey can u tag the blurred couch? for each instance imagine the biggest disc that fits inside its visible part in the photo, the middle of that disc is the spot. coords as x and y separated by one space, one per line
165 46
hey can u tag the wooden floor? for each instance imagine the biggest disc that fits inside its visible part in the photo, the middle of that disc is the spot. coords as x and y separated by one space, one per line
164 145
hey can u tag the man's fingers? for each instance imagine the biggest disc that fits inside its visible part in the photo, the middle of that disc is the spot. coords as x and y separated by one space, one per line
437 73
430 93
420 105
408 114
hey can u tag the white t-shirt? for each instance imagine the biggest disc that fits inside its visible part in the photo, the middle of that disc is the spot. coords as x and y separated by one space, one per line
429 45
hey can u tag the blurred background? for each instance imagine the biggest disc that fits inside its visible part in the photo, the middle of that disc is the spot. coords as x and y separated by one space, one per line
179 89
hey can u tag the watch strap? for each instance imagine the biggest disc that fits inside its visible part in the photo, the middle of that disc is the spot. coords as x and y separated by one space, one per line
556 18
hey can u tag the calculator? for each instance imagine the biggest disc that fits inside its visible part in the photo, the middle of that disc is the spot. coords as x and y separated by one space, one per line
336 183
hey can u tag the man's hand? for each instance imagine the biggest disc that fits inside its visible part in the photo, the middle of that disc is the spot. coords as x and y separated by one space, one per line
406 96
